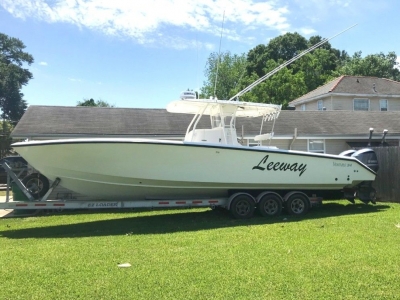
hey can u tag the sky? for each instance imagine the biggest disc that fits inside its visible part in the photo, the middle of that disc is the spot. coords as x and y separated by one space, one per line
144 53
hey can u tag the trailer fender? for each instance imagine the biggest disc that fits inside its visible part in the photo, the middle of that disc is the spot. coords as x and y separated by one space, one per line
286 197
267 193
269 204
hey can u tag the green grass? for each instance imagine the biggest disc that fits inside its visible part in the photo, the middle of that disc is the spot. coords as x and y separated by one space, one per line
337 251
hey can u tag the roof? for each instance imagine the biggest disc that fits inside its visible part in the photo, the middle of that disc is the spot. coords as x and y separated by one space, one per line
47 122
97 121
353 85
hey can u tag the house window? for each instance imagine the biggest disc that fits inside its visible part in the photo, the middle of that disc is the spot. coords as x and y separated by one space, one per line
316 146
361 104
303 107
383 105
320 105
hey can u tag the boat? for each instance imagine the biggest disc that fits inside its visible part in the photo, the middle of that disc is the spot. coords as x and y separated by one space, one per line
209 162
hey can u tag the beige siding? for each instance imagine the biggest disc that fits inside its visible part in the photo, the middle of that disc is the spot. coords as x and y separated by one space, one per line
312 105
327 103
281 144
335 146
394 104
342 103
300 145
346 103
331 146
374 104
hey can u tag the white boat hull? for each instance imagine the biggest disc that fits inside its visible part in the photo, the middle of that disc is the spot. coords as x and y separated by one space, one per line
134 169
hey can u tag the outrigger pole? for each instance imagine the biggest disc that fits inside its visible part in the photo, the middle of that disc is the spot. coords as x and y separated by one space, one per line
261 79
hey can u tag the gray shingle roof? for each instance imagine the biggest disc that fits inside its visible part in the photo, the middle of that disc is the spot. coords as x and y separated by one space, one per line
95 121
58 122
353 85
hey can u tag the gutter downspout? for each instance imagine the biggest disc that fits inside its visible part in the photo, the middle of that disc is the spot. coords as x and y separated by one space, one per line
294 139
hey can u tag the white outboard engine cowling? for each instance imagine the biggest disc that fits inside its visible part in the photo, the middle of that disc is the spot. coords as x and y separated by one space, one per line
347 152
367 157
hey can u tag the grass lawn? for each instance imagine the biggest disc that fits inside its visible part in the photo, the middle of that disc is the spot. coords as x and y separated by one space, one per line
337 251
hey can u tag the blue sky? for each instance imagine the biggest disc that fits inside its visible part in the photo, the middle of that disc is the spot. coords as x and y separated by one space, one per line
144 53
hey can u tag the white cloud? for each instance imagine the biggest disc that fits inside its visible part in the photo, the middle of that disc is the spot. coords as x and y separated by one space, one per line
144 21
43 63
307 31
75 79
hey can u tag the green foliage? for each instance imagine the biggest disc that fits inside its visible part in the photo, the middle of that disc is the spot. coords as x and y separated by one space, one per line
316 68
13 76
278 89
231 69
304 75
91 102
376 65
337 251
5 139
286 46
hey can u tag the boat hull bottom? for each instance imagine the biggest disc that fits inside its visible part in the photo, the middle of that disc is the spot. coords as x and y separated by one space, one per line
110 191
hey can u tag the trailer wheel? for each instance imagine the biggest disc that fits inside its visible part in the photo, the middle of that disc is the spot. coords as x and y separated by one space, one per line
242 206
297 204
270 205
37 184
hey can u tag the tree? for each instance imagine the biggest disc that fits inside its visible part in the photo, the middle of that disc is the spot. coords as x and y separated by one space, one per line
302 76
13 76
376 65
278 89
283 47
231 69
5 140
310 71
316 67
91 102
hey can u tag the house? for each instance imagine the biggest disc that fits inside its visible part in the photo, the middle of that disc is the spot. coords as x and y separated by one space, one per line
329 131
352 93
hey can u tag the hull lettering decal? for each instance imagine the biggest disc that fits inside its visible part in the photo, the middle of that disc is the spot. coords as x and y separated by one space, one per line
264 165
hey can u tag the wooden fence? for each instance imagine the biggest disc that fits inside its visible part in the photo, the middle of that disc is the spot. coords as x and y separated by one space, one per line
387 181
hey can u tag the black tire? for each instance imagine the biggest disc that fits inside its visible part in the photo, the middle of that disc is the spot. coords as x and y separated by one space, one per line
297 204
37 185
242 206
270 205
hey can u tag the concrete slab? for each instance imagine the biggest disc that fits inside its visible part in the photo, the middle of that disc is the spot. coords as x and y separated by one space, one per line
4 213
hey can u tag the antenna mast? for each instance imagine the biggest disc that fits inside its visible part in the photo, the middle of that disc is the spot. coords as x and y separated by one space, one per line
261 79
219 55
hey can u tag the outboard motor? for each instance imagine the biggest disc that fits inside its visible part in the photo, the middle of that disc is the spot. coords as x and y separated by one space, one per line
366 192
367 157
